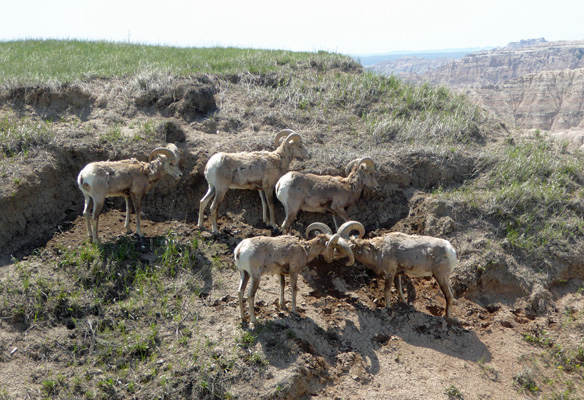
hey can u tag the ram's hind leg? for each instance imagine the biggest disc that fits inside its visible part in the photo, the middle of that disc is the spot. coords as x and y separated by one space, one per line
244 278
387 290
255 284
219 196
97 207
294 288
444 282
88 203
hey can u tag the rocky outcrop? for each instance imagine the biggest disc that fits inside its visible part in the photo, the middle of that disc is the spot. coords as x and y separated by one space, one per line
496 67
532 83
550 100
407 66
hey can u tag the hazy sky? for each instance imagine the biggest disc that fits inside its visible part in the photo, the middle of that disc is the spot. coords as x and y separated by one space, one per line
348 27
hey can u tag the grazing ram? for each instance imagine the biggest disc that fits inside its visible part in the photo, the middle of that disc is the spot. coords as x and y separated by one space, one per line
283 255
395 253
129 178
324 193
258 170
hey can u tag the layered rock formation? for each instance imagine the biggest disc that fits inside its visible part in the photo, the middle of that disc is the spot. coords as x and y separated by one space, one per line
495 67
406 67
532 83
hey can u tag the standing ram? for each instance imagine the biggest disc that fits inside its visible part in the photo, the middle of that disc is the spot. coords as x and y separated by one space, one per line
324 193
395 253
257 170
129 178
282 255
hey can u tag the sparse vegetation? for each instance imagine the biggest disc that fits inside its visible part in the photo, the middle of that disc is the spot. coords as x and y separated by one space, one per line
117 300
534 191
453 393
20 135
526 382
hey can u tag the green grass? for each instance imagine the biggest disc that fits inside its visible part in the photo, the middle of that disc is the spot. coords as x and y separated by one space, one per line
41 61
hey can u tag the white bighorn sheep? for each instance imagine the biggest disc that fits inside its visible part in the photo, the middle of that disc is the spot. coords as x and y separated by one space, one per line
324 193
129 178
259 170
395 253
283 255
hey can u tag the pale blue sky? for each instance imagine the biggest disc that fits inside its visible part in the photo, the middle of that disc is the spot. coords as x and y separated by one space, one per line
348 27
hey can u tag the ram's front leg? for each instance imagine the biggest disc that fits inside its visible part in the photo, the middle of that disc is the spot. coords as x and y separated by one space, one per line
282 287
398 286
269 192
265 217
128 210
138 208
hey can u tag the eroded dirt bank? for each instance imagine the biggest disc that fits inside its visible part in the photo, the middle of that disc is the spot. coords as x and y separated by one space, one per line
343 344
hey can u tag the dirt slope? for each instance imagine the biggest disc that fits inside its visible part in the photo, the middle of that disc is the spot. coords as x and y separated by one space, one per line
343 345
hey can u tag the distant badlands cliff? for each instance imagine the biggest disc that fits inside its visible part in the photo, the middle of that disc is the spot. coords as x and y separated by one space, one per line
532 83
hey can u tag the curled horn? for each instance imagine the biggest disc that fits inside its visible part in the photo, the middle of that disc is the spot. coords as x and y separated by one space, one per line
161 150
348 226
369 163
350 166
337 240
318 226
170 151
172 147
293 137
281 134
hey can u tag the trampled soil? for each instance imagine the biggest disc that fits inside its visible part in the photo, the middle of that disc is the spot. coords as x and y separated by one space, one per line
344 343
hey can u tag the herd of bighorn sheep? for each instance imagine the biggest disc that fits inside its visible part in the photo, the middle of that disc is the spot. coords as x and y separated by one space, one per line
389 256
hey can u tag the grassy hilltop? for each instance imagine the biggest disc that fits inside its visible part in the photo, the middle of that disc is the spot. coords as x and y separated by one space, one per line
156 318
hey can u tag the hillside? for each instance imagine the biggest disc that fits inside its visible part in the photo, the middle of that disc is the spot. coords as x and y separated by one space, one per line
158 317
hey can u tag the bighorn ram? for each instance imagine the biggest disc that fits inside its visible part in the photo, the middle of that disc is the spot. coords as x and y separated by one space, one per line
258 170
128 178
283 255
324 193
395 253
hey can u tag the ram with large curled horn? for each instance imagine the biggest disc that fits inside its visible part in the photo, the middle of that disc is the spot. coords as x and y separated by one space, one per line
281 255
325 193
395 254
129 178
256 170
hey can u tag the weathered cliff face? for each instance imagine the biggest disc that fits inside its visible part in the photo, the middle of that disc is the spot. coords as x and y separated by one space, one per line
406 66
501 65
533 83
550 100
